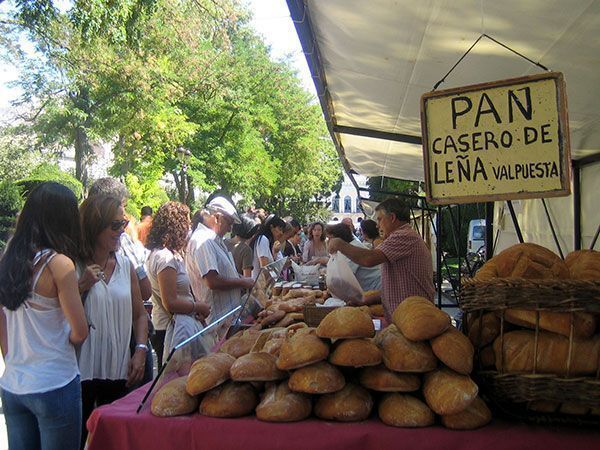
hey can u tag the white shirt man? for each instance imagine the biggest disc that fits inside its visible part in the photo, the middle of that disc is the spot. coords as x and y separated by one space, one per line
210 266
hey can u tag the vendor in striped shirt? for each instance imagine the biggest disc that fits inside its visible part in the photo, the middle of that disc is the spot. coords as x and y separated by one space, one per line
407 268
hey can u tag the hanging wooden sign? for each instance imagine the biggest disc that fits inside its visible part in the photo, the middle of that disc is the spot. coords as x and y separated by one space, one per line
503 140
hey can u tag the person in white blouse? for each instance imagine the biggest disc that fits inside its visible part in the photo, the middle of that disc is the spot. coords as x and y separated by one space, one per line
262 243
41 322
112 305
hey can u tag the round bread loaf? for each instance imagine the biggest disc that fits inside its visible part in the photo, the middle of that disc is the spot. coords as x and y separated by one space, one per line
448 392
240 343
401 410
381 379
256 367
319 378
487 357
302 349
419 319
352 404
584 265
530 261
359 352
403 355
476 415
173 400
229 400
279 404
209 372
455 350
345 323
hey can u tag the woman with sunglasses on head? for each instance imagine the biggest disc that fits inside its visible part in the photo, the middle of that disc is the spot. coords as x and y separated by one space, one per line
315 249
171 294
41 322
112 303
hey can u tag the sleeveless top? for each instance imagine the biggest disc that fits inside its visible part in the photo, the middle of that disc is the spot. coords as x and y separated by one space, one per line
40 356
105 353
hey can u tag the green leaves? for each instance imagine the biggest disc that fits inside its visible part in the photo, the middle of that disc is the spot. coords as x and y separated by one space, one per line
150 76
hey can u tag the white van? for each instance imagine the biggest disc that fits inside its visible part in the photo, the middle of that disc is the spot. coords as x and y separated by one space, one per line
476 236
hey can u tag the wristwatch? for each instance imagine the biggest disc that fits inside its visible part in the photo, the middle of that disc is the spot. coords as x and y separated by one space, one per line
142 346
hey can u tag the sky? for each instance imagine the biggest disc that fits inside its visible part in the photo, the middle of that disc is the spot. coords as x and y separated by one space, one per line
271 19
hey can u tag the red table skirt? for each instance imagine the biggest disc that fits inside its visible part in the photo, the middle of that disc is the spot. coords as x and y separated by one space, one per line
117 426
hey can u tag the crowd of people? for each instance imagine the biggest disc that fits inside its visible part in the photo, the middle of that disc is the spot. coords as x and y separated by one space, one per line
73 282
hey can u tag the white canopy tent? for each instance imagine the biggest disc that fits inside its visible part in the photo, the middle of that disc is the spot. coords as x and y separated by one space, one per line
372 60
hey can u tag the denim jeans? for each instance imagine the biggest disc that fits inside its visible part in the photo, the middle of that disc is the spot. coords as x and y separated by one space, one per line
48 421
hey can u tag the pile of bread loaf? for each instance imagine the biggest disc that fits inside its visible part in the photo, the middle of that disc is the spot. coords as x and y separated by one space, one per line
409 372
566 343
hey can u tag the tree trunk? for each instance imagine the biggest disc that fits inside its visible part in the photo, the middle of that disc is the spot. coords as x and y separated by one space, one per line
82 155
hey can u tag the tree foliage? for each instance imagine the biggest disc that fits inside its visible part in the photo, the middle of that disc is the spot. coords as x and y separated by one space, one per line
155 76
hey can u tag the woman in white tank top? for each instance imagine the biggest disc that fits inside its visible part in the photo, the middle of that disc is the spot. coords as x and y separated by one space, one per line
41 321
113 305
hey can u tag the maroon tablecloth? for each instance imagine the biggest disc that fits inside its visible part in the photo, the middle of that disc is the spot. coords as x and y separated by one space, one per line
117 426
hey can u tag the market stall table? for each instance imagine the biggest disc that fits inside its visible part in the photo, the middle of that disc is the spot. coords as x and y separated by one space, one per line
117 426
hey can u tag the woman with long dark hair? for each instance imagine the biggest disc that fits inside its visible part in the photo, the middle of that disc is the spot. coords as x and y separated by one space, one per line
171 294
41 322
370 233
262 244
113 304
315 249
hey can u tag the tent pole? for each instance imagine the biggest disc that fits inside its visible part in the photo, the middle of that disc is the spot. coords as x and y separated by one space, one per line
513 216
438 253
489 230
552 229
576 207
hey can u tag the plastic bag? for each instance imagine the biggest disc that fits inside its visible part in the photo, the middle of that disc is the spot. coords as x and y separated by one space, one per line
306 274
341 281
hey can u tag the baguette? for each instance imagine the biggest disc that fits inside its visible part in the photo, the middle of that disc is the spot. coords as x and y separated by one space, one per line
584 324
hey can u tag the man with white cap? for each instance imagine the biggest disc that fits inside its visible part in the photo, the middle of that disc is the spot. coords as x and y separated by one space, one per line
210 266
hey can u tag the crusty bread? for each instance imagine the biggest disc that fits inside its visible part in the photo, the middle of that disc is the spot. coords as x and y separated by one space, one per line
544 406
402 410
280 404
240 343
381 379
351 404
302 349
209 372
447 392
359 352
173 400
318 378
584 324
584 265
487 357
483 329
377 310
229 400
573 408
418 319
455 350
258 366
552 353
403 355
530 261
476 415
346 322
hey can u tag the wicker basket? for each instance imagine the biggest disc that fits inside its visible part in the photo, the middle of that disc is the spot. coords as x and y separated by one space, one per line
511 393
313 315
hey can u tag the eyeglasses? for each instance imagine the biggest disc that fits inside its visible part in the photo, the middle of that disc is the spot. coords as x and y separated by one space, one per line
116 225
